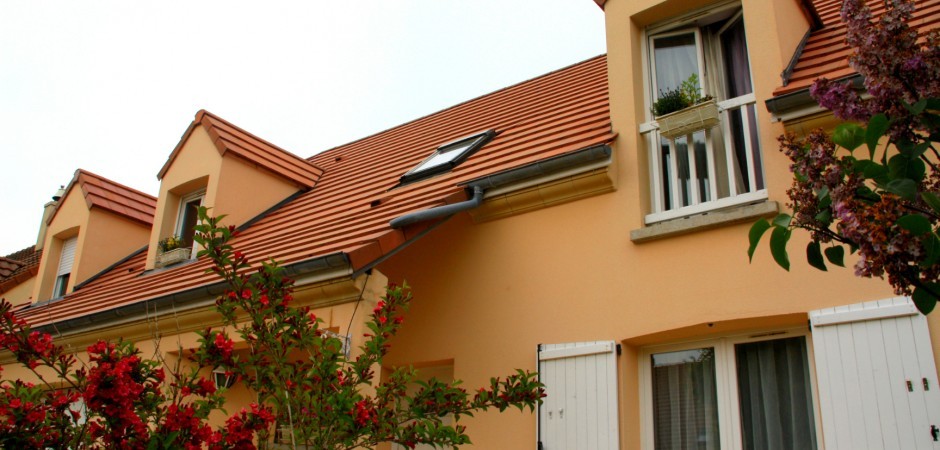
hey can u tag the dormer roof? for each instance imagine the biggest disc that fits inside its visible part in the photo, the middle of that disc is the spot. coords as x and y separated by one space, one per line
100 192
344 219
232 140
825 53
18 267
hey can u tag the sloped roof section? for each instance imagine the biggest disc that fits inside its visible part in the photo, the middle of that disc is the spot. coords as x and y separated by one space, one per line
349 210
18 267
826 55
100 192
230 139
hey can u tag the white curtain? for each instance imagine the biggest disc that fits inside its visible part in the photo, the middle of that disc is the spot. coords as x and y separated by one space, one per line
685 402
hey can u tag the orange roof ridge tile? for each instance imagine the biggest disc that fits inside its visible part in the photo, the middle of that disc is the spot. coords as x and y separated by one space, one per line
228 137
101 192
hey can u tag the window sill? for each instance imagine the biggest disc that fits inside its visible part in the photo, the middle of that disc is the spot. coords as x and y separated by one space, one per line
700 222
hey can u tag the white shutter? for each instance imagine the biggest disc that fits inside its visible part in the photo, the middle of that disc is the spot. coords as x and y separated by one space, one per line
67 256
580 407
876 376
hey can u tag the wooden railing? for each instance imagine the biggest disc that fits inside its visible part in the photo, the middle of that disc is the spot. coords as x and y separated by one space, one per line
709 168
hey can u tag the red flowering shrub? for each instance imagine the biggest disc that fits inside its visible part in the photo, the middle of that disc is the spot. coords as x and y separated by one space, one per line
883 203
316 401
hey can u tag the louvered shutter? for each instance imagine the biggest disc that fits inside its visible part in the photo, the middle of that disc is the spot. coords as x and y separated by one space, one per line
580 409
67 256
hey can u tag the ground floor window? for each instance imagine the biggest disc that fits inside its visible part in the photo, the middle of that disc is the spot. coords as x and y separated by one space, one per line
732 393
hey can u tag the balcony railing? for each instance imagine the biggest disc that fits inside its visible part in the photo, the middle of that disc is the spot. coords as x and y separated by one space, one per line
709 168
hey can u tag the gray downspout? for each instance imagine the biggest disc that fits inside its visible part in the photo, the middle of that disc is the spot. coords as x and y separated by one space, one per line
440 211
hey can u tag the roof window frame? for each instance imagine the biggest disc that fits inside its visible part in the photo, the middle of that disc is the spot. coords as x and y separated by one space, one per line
476 141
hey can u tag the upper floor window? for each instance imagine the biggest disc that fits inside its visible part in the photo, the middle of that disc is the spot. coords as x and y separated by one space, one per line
447 156
64 269
705 156
188 218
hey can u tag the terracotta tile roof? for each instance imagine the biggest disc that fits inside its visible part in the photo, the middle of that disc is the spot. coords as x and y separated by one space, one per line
18 267
100 192
826 53
350 208
230 139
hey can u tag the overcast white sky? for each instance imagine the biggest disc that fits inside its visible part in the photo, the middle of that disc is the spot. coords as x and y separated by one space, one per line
110 86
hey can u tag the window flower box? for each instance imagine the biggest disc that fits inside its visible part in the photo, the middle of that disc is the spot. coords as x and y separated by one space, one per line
700 116
173 256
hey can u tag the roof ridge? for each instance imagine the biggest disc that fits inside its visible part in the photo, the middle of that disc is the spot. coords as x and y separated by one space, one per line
417 119
203 112
120 185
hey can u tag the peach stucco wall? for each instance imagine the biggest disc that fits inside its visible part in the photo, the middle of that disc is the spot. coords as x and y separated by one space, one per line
20 293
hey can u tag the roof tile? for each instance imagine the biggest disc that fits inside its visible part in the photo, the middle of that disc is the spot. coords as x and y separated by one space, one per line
100 192
826 55
231 139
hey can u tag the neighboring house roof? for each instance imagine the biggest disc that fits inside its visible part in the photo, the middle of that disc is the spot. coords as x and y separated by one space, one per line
100 192
825 53
18 267
230 139
347 214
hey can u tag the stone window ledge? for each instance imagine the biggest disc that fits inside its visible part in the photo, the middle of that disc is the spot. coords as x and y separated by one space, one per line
700 222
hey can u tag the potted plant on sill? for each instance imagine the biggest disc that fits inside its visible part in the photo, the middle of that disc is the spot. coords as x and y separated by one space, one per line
171 251
683 110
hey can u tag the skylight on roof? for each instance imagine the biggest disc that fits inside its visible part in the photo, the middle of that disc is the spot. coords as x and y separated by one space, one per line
448 156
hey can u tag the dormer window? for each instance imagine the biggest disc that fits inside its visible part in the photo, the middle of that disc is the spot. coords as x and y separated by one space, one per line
448 156
187 219
64 270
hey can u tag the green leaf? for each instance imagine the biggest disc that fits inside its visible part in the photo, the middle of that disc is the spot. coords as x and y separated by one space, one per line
904 188
824 199
865 193
849 135
814 256
925 297
824 216
933 104
836 255
903 166
782 220
754 235
932 247
877 126
916 108
778 246
932 200
915 223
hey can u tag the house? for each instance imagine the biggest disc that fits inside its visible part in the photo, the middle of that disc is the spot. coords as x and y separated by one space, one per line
551 225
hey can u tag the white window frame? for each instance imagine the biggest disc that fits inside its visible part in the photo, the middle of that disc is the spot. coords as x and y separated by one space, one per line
199 196
729 422
681 25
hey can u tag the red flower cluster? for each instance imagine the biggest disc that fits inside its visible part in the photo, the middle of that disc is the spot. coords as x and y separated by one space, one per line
240 429
118 385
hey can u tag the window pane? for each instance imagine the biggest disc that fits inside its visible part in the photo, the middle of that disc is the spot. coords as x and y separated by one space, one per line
676 59
775 396
685 412
443 157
